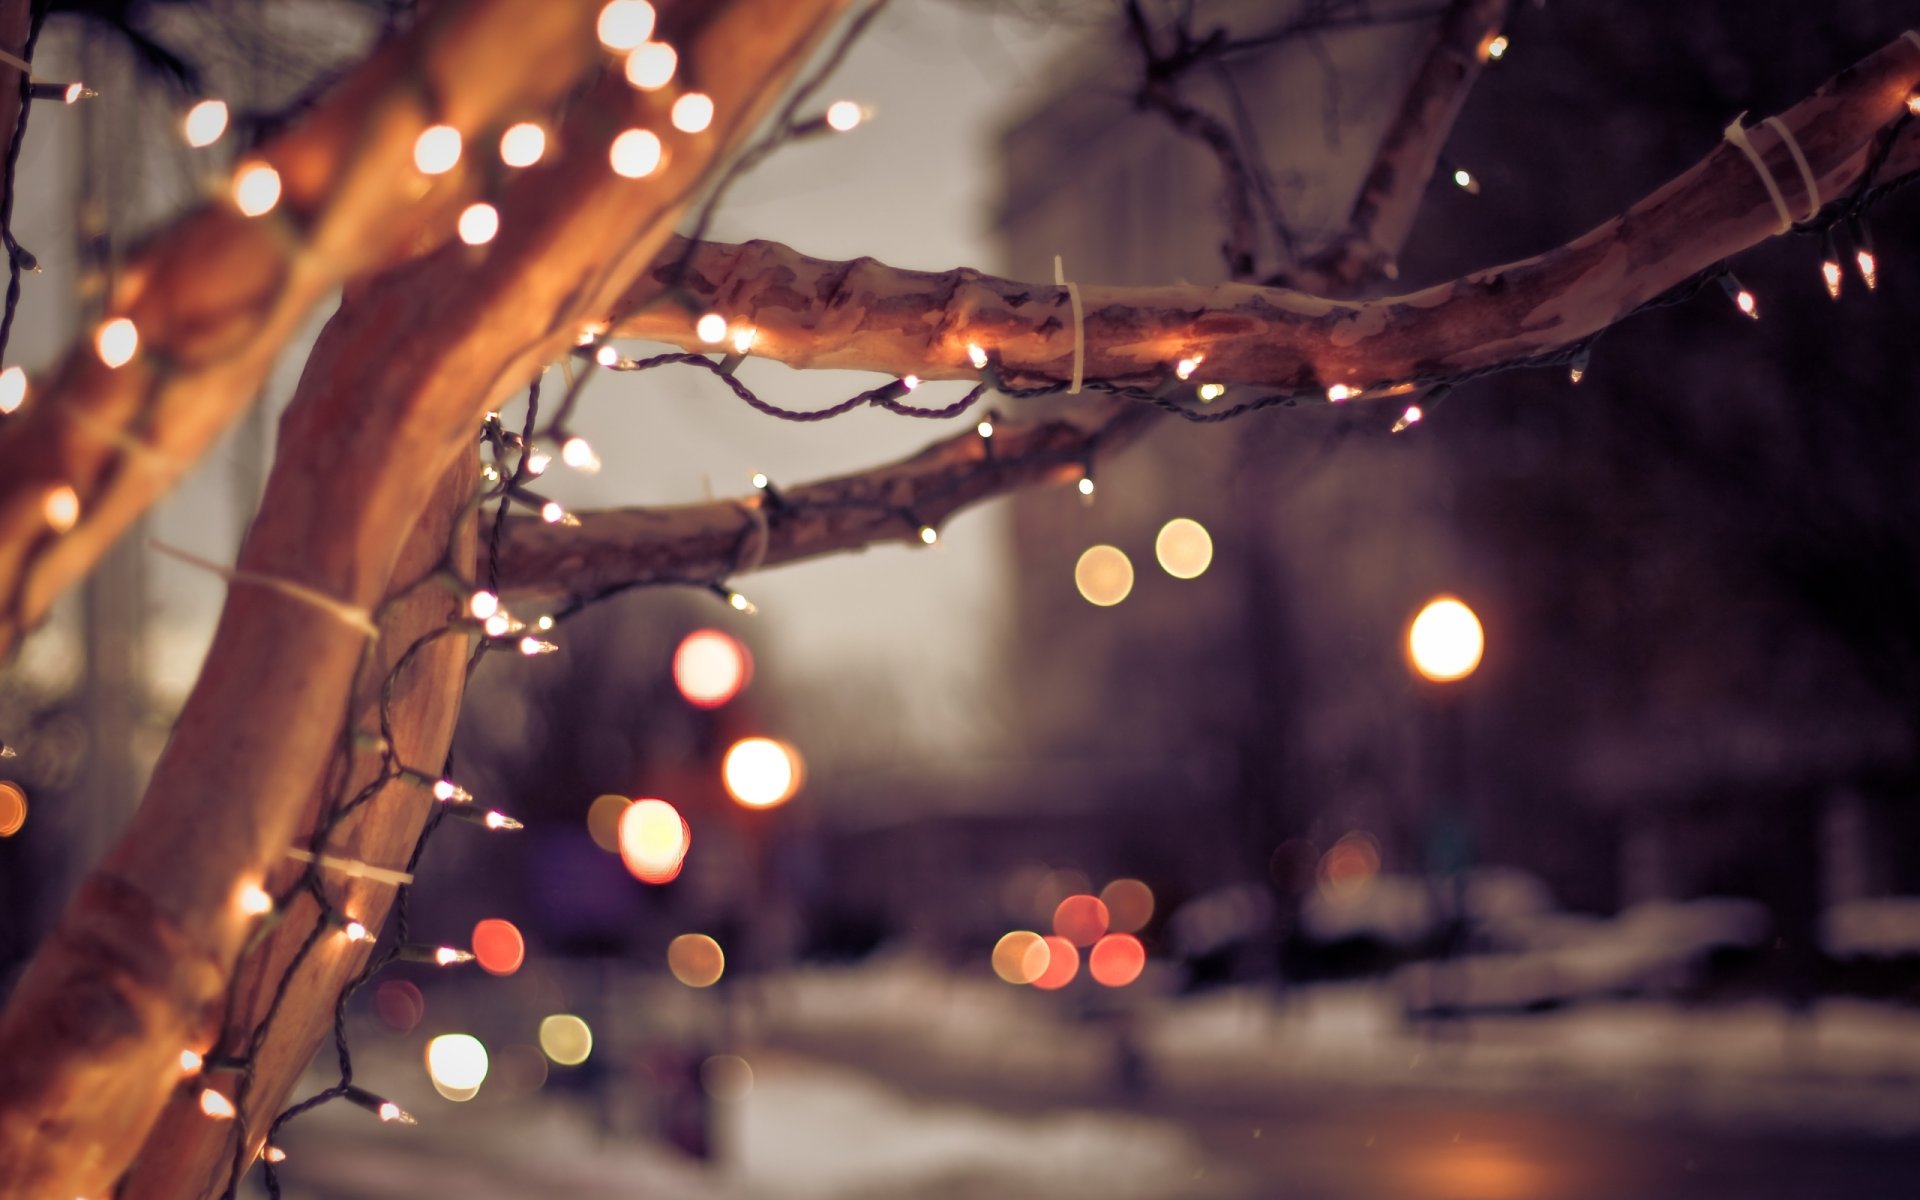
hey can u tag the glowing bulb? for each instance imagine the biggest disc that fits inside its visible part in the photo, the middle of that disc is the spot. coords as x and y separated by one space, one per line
910 382
1339 392
355 931
929 534
13 389
1184 548
389 1111
482 605
760 481
531 646
1211 391
976 356
437 150
844 115
216 1105
1185 368
478 224
538 461
61 508
1913 103
1869 270
254 900
204 123
456 1062
1744 300
636 154
191 1061
760 772
552 513
1464 180
1103 575
523 145
985 429
740 603
1496 46
711 329
578 454
447 956
692 112
650 67
743 338
1412 416
448 792
1445 641
256 189
653 839
497 625
1086 485
1830 271
273 1154
625 24
116 341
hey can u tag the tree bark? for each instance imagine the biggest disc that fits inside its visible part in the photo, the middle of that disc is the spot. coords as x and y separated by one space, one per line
139 967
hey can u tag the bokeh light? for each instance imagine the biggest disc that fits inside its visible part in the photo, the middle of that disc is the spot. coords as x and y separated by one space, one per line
518 1070
523 145
636 153
1350 863
624 24
1020 957
650 67
399 1005
1104 576
726 1076
498 946
696 960
1184 548
1116 960
760 772
457 1065
1129 905
256 189
1063 963
566 1039
437 150
654 840
1445 641
603 821
1080 919
710 668
692 112
204 123
13 808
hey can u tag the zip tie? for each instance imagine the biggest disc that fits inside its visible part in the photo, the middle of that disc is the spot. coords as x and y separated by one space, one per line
1799 160
1738 136
347 614
352 867
1079 326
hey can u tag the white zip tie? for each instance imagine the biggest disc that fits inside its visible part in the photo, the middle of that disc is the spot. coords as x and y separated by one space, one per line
1799 160
1079 326
347 614
1738 136
352 867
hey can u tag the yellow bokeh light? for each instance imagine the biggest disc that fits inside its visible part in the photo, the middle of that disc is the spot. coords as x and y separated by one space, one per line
1184 548
624 24
523 145
692 113
61 508
478 223
256 189
760 772
457 1065
117 340
204 123
650 67
13 808
696 960
603 821
1445 641
1104 576
437 150
636 153
710 668
566 1039
1020 957
654 840
1129 905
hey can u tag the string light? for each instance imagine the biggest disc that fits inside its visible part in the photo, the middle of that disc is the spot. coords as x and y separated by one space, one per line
486 818
273 1154
578 454
1339 392
984 429
1086 485
1913 103
254 900
478 223
636 154
61 508
1464 180
191 1062
116 341
437 150
204 123
711 329
1577 369
624 24
651 67
1408 419
439 956
929 535
845 116
256 189
386 1110
743 339
482 605
215 1104
1185 368
1209 392
1741 297
13 389
1830 265
693 112
523 145
448 792
531 646
976 356
1494 47
607 356
1863 254
66 93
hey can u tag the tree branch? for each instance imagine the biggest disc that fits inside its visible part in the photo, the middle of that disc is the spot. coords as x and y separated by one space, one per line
862 315
216 295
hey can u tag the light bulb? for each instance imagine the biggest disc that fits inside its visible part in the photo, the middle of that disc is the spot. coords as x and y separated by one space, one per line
1086 485
204 123
448 792
1869 269
636 154
985 429
216 1105
61 508
116 341
1339 392
13 389
1185 368
256 189
910 382
1211 391
693 112
1408 419
191 1061
437 150
531 646
929 534
478 223
976 356
355 931
254 900
650 67
743 338
845 115
711 329
1830 271
578 454
624 24
523 145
